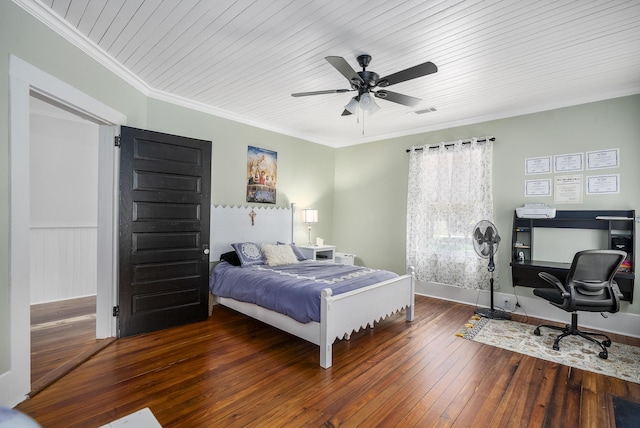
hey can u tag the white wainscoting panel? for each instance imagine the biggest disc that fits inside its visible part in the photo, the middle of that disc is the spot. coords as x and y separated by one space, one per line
63 262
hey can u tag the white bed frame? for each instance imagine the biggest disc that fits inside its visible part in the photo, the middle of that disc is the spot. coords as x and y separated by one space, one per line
340 315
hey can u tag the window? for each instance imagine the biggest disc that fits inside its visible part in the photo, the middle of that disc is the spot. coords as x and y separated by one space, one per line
450 190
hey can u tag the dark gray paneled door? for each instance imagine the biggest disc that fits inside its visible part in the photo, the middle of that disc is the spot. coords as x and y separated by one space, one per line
165 184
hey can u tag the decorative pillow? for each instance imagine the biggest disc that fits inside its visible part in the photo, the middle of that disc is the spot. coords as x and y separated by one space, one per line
277 255
296 251
249 253
231 257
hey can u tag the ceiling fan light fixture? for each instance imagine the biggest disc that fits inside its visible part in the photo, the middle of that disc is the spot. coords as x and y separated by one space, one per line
365 83
374 107
367 103
352 106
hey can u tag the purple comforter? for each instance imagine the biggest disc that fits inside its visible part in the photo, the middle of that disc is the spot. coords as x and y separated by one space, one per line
293 290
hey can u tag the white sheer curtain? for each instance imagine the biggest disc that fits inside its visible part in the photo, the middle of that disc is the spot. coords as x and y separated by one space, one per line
450 190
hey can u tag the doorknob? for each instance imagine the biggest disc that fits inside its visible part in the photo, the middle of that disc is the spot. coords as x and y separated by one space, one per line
206 251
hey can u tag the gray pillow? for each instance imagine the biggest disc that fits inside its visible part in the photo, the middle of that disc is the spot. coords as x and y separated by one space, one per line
249 253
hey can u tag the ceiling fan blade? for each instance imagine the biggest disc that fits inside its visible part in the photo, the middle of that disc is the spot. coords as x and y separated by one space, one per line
408 74
345 69
346 113
330 91
398 98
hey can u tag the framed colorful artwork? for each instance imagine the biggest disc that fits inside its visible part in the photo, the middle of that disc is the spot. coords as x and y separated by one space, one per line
262 175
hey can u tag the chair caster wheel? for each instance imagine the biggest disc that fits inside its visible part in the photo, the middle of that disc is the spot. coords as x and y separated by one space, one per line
603 355
537 331
606 343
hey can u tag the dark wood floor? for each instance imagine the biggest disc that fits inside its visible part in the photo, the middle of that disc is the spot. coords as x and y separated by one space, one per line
63 335
234 371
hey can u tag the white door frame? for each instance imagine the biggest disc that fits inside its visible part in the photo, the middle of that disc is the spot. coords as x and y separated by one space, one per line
24 80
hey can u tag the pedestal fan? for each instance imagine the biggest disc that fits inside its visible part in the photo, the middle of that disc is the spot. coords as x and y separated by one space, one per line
485 242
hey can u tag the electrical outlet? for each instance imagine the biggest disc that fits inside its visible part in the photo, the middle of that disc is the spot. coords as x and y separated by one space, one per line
507 302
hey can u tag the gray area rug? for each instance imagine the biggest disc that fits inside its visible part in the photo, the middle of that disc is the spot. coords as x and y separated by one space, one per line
623 361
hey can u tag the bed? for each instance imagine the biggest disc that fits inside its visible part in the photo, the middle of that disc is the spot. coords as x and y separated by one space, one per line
342 306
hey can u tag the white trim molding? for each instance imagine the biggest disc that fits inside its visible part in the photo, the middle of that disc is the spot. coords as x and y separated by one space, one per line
24 81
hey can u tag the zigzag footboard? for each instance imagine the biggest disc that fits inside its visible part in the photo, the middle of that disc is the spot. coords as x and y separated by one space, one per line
345 313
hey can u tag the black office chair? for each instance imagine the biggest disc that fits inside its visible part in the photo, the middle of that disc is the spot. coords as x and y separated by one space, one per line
590 287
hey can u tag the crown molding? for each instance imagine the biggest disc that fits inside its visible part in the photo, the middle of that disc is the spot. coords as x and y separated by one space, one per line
72 35
44 14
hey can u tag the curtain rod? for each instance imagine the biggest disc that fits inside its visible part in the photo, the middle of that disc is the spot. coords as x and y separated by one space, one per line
480 140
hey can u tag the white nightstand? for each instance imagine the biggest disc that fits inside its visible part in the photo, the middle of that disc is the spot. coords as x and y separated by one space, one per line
321 253
345 258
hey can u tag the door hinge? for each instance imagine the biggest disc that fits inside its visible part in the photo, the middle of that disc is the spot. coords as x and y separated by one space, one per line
116 311
116 140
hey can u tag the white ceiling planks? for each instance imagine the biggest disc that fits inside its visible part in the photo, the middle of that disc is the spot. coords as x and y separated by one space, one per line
242 59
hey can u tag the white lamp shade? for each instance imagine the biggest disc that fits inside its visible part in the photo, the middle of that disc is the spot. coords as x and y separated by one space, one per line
310 216
352 107
374 107
367 103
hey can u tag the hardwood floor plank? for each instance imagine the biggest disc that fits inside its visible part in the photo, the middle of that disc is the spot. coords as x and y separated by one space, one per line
234 371
363 407
432 384
405 380
63 334
552 404
573 398
65 367
592 403
452 396
46 312
532 408
465 407
480 412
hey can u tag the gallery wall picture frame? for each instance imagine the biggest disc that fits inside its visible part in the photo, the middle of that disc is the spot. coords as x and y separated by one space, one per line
603 184
568 189
262 175
603 159
537 165
569 162
537 188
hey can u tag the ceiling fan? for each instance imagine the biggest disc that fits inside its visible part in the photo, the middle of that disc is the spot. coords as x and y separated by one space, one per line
365 82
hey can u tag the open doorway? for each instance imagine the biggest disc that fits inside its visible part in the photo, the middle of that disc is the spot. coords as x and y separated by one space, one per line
26 80
63 189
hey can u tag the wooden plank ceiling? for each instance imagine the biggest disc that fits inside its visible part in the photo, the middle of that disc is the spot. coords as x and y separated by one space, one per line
242 59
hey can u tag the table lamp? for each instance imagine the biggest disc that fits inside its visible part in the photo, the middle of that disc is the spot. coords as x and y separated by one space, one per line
310 216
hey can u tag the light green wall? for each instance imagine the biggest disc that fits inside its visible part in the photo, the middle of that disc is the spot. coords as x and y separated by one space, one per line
371 203
305 169
360 191
371 179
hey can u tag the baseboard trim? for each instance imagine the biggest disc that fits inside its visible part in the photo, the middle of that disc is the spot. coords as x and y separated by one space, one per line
622 323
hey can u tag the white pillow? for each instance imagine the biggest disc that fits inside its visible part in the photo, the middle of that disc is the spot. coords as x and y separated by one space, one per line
277 255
